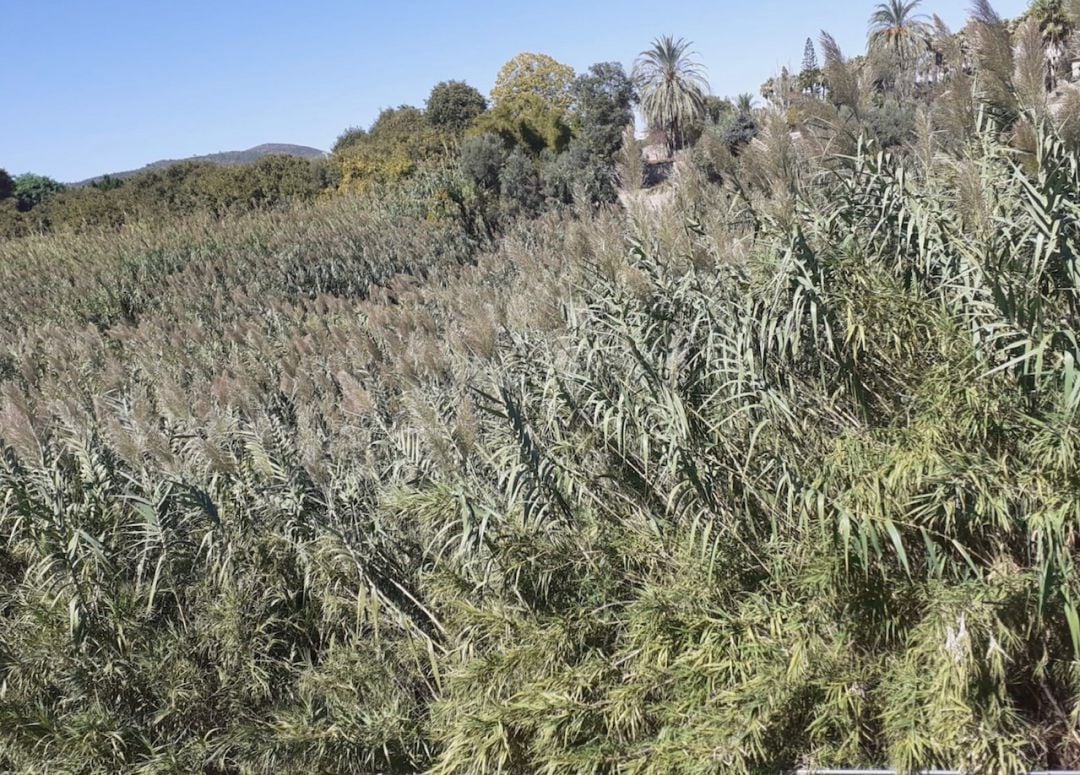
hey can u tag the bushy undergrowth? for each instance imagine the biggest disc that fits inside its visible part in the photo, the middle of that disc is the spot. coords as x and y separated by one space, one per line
774 475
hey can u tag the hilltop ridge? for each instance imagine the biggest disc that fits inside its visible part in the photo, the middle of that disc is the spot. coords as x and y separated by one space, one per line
222 158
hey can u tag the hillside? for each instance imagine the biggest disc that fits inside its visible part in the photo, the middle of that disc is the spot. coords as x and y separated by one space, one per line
223 158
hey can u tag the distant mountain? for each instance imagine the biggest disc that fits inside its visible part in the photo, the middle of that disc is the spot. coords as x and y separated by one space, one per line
225 158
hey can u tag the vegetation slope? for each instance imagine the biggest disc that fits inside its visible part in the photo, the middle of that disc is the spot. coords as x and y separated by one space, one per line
782 471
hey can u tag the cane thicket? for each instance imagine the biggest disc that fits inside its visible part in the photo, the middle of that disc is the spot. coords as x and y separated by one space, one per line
776 474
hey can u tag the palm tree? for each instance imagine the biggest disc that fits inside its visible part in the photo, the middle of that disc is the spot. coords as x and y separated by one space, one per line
672 85
1055 27
894 25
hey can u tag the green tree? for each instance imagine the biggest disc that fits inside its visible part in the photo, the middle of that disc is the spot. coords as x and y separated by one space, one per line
603 98
453 105
672 86
31 190
535 74
810 74
569 167
7 185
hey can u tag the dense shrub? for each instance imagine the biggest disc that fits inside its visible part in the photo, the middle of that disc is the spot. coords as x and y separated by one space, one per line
31 190
892 123
12 223
349 137
740 131
578 173
520 183
182 190
398 143
482 158
712 155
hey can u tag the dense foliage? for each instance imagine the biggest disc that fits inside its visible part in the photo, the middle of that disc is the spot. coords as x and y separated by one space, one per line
454 105
603 107
31 190
775 464
542 111
537 75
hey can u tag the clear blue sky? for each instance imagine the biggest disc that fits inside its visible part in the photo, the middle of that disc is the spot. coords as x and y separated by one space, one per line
92 86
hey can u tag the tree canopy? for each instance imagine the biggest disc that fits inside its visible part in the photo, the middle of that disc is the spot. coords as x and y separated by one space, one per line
895 26
603 99
454 105
31 190
535 74
395 146
527 121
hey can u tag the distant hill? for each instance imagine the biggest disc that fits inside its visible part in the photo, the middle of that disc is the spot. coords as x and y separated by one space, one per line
225 158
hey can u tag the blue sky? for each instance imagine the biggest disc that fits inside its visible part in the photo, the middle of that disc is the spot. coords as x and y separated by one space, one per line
92 86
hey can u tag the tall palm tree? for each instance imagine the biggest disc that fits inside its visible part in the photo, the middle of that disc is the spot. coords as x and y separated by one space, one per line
895 26
672 85
1056 28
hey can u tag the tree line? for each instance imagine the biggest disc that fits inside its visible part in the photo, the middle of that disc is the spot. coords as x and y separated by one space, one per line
545 135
